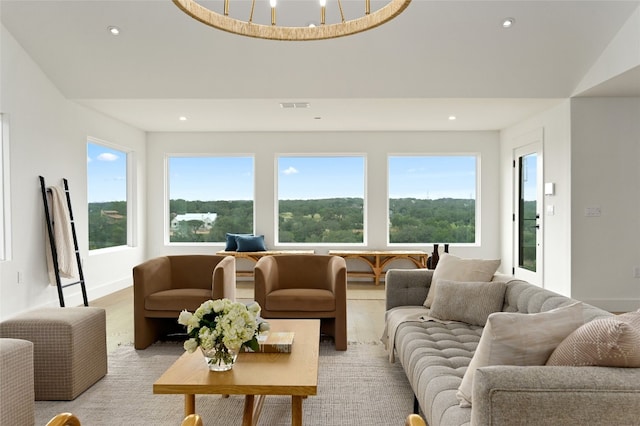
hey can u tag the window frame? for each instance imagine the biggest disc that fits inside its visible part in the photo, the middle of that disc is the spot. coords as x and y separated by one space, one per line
477 213
276 195
130 171
167 194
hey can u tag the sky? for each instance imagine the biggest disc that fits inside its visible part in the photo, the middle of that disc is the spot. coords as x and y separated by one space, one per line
432 177
211 178
107 174
299 177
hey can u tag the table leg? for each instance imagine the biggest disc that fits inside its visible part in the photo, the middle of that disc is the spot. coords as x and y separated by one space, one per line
247 415
296 410
189 404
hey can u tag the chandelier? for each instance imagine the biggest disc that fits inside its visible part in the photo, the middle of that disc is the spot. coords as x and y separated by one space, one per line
226 20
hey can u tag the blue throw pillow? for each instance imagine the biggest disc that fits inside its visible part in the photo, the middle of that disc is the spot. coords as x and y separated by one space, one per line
250 243
231 241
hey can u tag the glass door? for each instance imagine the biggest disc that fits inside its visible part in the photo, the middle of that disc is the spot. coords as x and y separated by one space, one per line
527 217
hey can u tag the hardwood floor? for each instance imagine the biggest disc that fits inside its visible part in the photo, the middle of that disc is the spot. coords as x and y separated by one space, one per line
365 312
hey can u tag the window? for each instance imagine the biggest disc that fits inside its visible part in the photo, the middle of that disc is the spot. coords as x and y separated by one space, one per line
321 199
432 199
107 196
208 197
4 188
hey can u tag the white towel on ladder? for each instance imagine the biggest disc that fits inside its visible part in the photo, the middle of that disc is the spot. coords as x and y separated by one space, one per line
63 238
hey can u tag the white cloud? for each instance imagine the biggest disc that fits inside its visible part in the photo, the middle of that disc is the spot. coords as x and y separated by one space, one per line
290 171
107 156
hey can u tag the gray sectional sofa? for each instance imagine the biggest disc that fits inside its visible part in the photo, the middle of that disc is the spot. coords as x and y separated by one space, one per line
435 356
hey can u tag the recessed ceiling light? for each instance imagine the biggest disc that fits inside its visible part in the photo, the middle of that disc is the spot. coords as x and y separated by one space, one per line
452 117
114 30
182 118
508 22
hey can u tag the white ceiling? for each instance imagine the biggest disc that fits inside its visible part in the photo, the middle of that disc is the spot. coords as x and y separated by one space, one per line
438 58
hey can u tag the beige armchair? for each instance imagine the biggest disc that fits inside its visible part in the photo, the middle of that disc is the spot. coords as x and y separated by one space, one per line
305 286
164 286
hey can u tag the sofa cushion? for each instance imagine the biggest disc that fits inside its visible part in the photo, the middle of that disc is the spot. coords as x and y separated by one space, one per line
456 269
605 342
250 243
232 245
469 302
435 356
520 339
301 300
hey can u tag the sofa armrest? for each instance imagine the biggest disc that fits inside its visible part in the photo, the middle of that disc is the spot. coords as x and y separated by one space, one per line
265 279
407 287
337 277
223 282
556 395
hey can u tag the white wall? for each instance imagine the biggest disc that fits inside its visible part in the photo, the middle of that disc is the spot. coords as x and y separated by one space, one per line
605 152
555 127
621 55
376 146
48 136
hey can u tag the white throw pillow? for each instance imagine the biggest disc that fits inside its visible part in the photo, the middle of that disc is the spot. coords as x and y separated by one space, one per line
519 339
453 268
605 342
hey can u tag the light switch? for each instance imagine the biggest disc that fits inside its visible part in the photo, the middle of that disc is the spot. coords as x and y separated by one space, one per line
549 188
551 210
592 211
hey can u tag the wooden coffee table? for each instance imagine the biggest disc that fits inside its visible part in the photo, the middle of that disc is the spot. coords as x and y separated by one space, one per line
260 374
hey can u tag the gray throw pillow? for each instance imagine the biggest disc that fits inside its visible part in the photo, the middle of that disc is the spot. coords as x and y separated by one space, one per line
468 302
454 268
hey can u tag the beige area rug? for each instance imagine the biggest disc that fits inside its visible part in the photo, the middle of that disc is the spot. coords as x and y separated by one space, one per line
358 386
355 290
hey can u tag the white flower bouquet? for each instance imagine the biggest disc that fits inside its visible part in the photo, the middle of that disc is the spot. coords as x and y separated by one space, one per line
225 326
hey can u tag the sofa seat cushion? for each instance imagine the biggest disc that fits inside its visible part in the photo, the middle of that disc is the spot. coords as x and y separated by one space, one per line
301 299
435 357
167 300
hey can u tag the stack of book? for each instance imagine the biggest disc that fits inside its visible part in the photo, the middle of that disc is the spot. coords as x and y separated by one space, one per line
276 342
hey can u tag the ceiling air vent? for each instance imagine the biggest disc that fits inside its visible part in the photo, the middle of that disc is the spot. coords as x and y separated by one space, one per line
297 105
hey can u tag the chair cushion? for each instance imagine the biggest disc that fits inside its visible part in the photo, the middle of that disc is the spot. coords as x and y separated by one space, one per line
301 299
177 299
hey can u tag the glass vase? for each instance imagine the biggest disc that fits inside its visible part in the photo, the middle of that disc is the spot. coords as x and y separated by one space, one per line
220 358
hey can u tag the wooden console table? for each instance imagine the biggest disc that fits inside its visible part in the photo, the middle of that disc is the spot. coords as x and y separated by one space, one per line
377 260
256 255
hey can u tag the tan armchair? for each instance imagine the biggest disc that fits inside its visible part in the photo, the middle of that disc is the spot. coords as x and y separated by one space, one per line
305 286
164 286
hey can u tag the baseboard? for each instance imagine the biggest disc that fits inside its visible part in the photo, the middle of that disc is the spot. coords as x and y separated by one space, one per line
73 295
615 305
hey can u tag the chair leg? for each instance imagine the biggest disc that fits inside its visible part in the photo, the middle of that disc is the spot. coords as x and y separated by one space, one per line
146 332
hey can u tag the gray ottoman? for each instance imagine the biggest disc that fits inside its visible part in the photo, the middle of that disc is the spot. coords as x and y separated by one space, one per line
70 348
16 382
